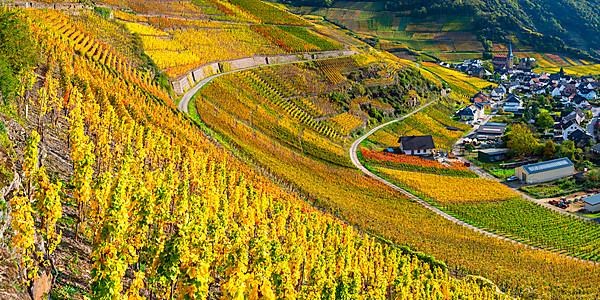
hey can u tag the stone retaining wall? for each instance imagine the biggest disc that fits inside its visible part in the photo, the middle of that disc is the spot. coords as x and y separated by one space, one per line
40 5
185 82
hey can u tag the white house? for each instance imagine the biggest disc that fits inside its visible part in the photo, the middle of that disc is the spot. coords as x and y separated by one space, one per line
471 112
580 102
557 91
592 203
417 145
589 94
513 104
545 171
569 128
498 93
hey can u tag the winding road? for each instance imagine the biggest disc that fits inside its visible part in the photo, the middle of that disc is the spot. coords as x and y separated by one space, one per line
362 168
187 97
184 103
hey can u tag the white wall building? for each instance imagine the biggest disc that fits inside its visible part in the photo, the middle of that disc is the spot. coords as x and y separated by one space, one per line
545 171
592 203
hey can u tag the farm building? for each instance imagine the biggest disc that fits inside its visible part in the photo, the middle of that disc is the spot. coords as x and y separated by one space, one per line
491 130
592 203
545 171
417 145
492 155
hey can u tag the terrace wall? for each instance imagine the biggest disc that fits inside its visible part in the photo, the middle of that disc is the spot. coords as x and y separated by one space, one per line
205 71
185 82
282 59
41 5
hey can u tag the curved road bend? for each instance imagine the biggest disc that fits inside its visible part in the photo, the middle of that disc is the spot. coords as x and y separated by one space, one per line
185 100
187 97
358 164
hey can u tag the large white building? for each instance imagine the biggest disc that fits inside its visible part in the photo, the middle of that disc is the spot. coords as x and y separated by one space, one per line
592 203
545 171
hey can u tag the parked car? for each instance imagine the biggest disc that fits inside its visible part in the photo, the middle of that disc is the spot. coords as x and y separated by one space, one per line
512 178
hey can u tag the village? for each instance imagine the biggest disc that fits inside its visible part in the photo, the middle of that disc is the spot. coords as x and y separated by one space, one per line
535 132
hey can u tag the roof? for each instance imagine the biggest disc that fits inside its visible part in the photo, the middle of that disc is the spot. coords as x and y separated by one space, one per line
495 151
495 124
416 142
549 165
467 111
578 99
491 129
592 200
513 98
580 137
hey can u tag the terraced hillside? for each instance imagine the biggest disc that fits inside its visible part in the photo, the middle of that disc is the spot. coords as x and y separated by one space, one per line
180 36
112 193
145 205
372 206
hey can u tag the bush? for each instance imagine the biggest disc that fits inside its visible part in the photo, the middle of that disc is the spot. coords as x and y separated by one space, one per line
17 52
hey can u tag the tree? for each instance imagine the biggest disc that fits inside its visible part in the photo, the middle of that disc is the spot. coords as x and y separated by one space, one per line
569 150
588 114
521 140
549 150
23 239
17 52
488 66
544 120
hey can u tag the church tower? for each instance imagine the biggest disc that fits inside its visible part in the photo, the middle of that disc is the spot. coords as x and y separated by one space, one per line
509 58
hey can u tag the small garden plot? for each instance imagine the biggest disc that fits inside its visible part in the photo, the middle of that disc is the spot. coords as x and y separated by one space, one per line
449 189
414 163
557 188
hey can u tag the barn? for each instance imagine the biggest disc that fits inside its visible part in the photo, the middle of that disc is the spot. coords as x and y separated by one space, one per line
592 203
492 155
545 171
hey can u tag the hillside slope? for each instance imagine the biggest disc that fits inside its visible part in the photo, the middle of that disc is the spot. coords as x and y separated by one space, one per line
548 26
124 198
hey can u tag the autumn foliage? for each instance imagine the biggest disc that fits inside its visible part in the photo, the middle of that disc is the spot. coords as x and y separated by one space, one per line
169 214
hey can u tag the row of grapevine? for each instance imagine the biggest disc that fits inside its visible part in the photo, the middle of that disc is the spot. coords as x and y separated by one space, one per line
294 111
308 105
414 163
451 189
284 87
333 68
91 48
168 214
527 222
